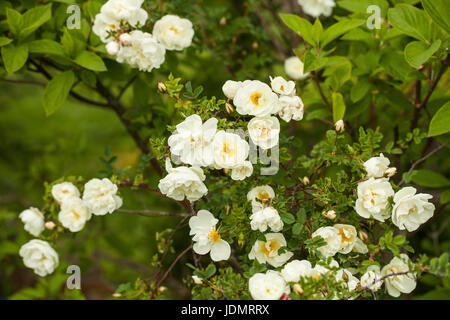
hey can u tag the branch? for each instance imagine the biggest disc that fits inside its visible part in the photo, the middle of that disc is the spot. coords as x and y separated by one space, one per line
316 80
270 33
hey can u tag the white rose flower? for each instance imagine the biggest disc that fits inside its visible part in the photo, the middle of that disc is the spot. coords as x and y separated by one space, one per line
373 199
296 269
100 196
410 209
256 98
346 276
39 256
230 150
33 221
65 190
315 8
332 238
282 87
183 182
293 67
140 50
291 108
376 166
115 11
173 32
266 218
242 172
192 141
206 236
112 48
348 236
395 285
264 131
74 214
261 193
230 88
268 251
372 278
268 286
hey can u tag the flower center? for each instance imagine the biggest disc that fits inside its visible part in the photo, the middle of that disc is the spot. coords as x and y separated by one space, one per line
344 237
263 196
255 98
214 235
226 149
77 216
268 247
282 88
175 30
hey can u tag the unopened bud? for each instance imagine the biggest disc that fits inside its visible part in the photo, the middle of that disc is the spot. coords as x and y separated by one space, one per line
50 225
339 126
362 235
229 108
223 21
162 87
284 297
197 280
297 289
116 295
330 214
305 180
344 276
162 289
255 45
390 172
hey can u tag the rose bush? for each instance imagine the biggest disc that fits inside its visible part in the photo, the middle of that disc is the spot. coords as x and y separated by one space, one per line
334 202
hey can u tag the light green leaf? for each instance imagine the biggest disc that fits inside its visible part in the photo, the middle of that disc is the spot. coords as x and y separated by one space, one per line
4 41
288 218
91 61
300 26
46 46
338 106
430 179
359 89
418 52
14 57
313 62
439 12
339 29
440 123
57 91
362 5
34 18
317 31
14 20
411 21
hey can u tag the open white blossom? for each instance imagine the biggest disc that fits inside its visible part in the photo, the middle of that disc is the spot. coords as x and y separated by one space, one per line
230 88
173 32
33 221
230 150
74 214
140 50
267 251
264 131
282 87
397 284
261 193
207 237
376 166
291 108
183 182
293 67
268 286
101 197
192 141
256 98
296 269
372 278
350 280
112 47
266 218
348 236
115 11
373 199
315 8
410 209
243 171
331 237
64 190
39 256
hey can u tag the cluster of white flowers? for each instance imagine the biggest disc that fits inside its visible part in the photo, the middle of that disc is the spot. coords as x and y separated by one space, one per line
409 209
140 49
315 8
99 198
263 215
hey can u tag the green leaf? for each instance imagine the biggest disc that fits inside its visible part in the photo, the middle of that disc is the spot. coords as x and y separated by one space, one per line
4 41
34 18
300 26
339 29
57 91
297 228
14 57
338 106
439 12
210 271
445 197
418 52
14 20
313 61
361 5
430 179
359 89
288 218
411 21
91 61
46 46
440 122
317 30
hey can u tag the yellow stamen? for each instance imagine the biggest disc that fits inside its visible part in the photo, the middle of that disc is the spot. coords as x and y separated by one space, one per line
255 98
214 235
